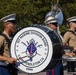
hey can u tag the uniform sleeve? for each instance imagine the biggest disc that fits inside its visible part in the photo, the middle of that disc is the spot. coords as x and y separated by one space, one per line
66 38
1 41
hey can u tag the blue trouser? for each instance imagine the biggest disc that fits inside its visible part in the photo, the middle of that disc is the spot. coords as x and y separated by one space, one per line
3 70
58 70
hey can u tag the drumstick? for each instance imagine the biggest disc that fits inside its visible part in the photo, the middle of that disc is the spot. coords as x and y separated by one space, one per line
23 57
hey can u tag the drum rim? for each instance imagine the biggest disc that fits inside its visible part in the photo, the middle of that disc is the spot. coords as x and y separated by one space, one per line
70 59
34 28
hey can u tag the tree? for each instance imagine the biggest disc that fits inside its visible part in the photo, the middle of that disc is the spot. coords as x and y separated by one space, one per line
34 11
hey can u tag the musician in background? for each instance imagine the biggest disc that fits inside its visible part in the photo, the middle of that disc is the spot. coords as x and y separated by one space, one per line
69 38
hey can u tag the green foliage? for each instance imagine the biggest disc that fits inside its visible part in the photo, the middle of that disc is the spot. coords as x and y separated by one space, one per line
34 11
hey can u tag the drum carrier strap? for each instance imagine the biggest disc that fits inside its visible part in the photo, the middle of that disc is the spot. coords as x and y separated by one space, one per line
7 39
71 31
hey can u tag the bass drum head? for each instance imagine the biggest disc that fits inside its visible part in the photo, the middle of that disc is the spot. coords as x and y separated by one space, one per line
33 49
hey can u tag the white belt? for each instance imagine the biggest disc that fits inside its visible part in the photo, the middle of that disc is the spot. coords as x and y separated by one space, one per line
3 63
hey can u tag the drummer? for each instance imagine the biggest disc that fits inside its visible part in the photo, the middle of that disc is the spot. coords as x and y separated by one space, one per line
69 38
6 62
52 23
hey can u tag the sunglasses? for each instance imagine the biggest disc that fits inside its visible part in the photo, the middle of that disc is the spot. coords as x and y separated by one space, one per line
74 22
55 24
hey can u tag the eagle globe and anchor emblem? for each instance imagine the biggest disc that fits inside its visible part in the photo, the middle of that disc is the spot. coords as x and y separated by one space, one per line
33 49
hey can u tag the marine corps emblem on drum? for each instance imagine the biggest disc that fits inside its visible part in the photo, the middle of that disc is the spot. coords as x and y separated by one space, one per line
33 48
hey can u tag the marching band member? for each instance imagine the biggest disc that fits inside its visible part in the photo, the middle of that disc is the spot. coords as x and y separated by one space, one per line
69 38
52 23
5 59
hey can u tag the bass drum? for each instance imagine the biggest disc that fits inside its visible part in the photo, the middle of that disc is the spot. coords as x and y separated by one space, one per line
37 48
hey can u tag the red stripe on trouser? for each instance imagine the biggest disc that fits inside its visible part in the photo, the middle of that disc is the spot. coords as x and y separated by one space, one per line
52 71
